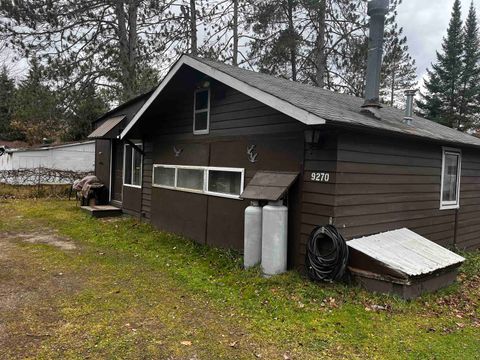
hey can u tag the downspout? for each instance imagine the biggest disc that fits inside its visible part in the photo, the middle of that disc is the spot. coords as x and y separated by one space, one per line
455 231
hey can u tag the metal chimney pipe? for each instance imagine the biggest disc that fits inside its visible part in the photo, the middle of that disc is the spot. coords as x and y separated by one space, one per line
410 94
377 9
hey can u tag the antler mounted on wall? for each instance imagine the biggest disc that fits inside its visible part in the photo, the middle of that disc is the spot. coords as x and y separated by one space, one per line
252 154
177 151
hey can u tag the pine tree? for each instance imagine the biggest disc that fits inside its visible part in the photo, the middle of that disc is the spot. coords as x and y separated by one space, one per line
275 49
87 106
470 80
398 69
37 115
7 95
108 43
442 99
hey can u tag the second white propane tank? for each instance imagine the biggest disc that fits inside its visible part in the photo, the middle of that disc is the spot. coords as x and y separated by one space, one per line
253 235
274 238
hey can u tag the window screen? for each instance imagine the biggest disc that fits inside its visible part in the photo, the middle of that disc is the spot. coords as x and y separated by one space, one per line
224 182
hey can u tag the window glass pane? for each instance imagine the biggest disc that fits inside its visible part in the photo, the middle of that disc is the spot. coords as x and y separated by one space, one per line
201 121
128 165
201 100
450 177
190 179
224 182
164 176
137 168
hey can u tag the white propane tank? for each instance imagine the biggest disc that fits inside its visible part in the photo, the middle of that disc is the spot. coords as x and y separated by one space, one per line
274 238
253 235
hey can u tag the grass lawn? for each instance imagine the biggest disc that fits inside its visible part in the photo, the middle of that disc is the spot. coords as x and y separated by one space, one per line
73 287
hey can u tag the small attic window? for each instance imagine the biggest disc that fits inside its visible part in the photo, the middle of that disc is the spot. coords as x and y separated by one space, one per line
201 112
451 173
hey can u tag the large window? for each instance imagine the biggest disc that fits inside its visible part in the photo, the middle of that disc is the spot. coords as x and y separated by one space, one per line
132 174
224 182
451 172
201 112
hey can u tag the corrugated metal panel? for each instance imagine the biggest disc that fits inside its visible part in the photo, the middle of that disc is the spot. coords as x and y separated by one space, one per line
106 127
405 251
269 185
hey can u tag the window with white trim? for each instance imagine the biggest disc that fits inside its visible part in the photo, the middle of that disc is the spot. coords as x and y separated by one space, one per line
451 173
201 112
216 181
132 166
191 179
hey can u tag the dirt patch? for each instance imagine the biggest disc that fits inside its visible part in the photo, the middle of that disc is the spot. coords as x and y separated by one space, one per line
27 284
45 238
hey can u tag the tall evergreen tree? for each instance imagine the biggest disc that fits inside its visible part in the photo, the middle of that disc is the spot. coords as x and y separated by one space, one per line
469 107
87 106
108 43
37 115
442 99
277 40
7 96
399 72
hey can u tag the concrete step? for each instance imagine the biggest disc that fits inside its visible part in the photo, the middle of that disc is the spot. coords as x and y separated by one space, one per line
102 211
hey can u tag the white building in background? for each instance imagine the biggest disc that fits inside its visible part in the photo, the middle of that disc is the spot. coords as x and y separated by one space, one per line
77 157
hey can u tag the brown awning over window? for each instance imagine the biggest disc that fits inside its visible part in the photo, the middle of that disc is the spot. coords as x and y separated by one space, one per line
269 185
106 130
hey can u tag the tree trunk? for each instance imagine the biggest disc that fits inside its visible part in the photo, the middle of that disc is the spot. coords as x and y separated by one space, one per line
320 55
123 49
392 87
132 42
293 50
235 33
193 28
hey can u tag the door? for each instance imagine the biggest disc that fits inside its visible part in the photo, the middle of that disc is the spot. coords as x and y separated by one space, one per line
117 170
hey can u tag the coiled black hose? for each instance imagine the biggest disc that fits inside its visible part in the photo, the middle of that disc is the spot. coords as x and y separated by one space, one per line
327 254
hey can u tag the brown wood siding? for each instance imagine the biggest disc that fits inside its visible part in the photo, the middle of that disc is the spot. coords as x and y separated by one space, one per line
146 203
468 226
317 199
132 200
102 161
237 121
387 183
117 170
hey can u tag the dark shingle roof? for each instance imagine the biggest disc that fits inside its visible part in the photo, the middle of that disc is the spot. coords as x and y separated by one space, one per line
339 108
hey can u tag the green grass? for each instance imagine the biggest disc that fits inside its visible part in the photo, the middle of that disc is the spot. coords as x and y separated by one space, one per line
168 290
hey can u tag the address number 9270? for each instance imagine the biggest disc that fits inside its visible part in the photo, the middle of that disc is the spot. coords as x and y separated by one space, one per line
320 177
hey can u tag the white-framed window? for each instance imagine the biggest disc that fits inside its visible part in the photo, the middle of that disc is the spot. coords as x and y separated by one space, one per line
164 176
216 181
451 174
132 165
201 111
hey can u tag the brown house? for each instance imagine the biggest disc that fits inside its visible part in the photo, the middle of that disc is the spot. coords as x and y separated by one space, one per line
180 156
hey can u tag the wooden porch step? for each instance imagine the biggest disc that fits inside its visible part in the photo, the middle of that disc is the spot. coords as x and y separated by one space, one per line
102 211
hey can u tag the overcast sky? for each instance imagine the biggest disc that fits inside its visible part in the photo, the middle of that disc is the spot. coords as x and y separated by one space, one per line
425 24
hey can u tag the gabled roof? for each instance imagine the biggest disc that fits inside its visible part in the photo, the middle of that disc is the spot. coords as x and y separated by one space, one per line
137 101
308 104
